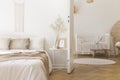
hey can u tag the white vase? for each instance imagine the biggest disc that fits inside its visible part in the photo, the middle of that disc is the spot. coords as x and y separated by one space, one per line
56 41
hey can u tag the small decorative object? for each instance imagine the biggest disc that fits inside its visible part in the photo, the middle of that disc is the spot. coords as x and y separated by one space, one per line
89 1
75 9
62 43
58 27
117 44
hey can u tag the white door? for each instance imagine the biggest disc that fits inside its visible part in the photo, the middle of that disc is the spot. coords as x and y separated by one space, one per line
71 40
67 14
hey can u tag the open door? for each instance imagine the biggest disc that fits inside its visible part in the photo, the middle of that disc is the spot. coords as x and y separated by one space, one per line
67 16
71 39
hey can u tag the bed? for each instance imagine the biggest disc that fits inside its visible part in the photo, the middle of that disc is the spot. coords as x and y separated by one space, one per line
24 65
24 58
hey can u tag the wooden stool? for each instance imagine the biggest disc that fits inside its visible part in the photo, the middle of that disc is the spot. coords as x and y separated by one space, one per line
106 51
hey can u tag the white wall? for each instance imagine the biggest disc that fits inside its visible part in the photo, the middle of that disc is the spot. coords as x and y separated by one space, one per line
6 16
40 14
97 17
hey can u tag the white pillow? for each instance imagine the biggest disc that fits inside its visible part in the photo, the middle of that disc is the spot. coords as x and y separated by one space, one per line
37 43
4 43
117 44
20 43
99 38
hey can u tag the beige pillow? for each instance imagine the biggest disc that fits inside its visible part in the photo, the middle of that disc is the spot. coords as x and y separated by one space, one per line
20 43
4 43
37 43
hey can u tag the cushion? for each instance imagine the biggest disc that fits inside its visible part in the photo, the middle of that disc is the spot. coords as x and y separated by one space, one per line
117 44
4 43
20 43
37 43
99 38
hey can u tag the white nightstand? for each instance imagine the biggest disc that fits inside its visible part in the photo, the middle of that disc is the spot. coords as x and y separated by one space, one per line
59 58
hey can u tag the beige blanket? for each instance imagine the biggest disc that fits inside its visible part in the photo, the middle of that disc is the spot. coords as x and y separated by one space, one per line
24 66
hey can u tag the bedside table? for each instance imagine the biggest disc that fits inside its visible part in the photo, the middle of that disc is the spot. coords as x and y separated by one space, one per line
59 58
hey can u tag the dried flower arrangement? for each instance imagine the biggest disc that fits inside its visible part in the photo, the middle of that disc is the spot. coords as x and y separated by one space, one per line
58 27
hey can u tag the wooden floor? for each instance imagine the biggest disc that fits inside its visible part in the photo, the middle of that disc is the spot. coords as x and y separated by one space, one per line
90 72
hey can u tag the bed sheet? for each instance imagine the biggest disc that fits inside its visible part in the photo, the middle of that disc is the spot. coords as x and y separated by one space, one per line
24 65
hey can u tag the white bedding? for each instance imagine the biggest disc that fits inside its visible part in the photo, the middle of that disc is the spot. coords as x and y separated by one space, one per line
22 68
17 51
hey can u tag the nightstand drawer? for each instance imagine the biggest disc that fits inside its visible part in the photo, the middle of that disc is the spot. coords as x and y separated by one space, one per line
61 52
59 58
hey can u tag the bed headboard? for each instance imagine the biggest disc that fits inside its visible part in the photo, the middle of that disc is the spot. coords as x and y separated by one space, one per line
36 42
19 35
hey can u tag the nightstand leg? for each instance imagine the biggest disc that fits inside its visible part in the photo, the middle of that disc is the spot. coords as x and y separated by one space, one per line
53 59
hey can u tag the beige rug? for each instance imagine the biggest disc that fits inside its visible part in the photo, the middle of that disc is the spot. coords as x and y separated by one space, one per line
94 61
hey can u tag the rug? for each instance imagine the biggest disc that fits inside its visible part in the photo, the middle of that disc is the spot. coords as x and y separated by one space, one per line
94 61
